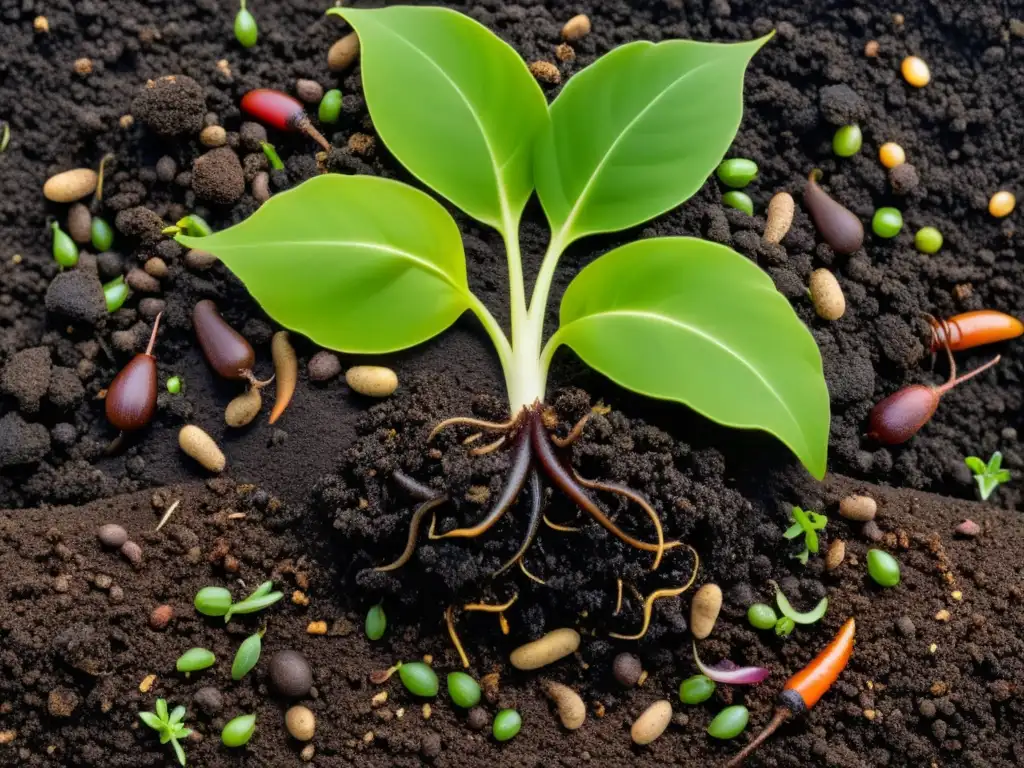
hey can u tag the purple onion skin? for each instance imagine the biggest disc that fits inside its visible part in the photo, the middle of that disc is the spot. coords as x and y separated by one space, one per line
837 225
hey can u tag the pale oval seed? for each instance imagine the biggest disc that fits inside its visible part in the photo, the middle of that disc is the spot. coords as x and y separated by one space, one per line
555 645
704 610
213 136
576 28
571 709
836 554
201 447
859 508
826 295
343 53
652 723
780 217
70 186
372 380
301 722
199 260
156 267
243 409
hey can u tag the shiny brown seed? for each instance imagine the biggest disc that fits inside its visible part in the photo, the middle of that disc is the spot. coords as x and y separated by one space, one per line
343 53
835 555
80 223
112 535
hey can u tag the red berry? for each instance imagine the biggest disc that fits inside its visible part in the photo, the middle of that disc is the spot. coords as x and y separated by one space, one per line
274 108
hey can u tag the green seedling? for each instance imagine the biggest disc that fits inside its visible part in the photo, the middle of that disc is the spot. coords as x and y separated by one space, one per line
191 225
247 656
369 265
272 157
988 476
246 29
169 726
195 660
115 293
217 601
806 523
237 732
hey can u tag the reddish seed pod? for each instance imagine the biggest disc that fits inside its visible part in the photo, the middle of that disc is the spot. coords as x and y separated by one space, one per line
225 349
131 397
838 226
281 111
898 417
973 329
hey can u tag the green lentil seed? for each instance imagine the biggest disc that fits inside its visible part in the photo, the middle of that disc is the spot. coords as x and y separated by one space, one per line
694 690
784 626
65 252
737 172
761 616
729 723
247 656
174 387
330 106
102 235
238 731
115 292
740 201
464 690
246 30
847 141
887 222
195 659
506 724
376 622
213 601
419 678
928 240
883 568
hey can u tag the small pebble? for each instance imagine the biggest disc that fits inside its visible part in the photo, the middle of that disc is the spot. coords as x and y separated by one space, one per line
161 617
968 528
477 718
430 745
132 553
307 753
576 28
324 366
261 187
112 535
209 700
906 626
309 91
290 674
213 136
80 223
301 722
627 669
872 532
199 260
102 581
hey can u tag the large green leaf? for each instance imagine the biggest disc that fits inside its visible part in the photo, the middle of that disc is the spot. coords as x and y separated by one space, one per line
356 263
692 321
454 103
638 132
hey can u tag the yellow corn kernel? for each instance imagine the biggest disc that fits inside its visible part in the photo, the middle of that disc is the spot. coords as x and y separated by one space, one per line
1002 204
915 71
891 154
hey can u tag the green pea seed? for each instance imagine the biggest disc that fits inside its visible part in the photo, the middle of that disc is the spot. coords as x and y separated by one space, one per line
212 601
419 678
928 240
65 252
246 30
102 235
887 222
694 690
464 690
761 616
330 106
740 201
195 659
238 731
506 724
174 387
883 568
115 292
784 626
729 723
847 141
737 172
376 623
247 656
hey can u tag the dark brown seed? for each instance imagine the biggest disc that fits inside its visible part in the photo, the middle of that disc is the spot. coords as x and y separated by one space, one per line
131 397
838 226
139 281
477 718
627 669
161 616
199 260
226 350
290 674
898 417
112 535
80 223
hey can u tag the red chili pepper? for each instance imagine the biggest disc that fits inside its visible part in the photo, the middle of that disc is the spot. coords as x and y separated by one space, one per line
281 111
803 689
972 329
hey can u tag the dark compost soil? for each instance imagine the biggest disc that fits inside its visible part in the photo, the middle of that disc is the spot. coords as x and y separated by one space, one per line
726 493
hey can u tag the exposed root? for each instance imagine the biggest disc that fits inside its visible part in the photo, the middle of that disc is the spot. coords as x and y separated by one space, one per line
483 450
513 485
414 531
255 383
503 623
558 527
635 497
488 608
618 598
574 433
657 595
538 579
449 617
414 487
532 524
473 438
490 426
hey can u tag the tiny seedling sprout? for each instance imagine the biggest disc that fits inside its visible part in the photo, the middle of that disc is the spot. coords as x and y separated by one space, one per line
247 656
806 523
194 660
168 725
795 616
988 476
272 157
246 29
191 225
217 601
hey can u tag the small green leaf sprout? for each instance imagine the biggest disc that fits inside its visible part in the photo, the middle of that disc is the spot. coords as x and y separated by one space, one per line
272 157
5 137
794 616
988 476
784 626
376 622
247 656
65 252
246 29
216 601
806 523
191 225
194 660
169 726
238 731
115 292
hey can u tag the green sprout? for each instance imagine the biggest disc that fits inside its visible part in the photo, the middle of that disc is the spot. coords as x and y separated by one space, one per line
272 157
806 523
216 601
191 225
988 476
169 726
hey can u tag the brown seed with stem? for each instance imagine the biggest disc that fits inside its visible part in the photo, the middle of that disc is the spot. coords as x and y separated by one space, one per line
838 226
131 397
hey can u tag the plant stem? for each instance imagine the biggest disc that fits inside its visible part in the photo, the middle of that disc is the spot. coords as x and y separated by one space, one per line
497 335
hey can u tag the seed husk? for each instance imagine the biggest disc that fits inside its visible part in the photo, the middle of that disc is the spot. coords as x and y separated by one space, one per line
780 217
651 723
201 447
837 225
835 555
69 186
827 295
243 409
571 709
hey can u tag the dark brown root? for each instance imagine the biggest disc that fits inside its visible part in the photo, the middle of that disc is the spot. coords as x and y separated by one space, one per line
490 426
574 434
532 524
414 531
414 487
513 485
